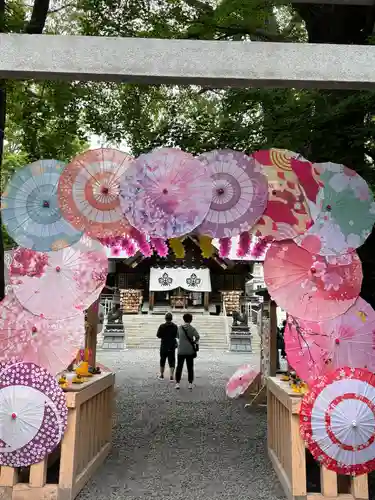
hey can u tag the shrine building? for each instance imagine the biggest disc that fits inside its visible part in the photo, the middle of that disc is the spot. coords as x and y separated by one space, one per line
156 285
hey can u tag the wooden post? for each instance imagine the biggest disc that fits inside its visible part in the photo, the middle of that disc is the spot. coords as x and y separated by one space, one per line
206 300
91 329
151 300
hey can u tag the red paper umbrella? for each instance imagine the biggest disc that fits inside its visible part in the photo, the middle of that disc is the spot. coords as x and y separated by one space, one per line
337 421
287 214
310 286
89 192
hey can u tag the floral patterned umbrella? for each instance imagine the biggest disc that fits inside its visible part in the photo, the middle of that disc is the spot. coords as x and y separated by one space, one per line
240 193
287 214
315 348
89 192
47 343
309 179
166 193
33 414
347 212
74 276
367 255
309 286
30 209
240 381
337 421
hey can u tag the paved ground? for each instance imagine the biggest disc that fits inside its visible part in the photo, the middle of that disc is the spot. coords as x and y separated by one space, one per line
181 445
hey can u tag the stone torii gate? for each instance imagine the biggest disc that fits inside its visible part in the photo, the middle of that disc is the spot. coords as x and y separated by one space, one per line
183 62
205 63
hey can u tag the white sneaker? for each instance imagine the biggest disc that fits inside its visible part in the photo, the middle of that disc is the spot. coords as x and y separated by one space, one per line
190 386
177 386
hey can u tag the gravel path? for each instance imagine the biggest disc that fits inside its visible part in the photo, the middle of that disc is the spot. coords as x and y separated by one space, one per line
183 445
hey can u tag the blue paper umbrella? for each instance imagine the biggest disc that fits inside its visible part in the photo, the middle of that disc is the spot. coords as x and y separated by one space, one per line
30 209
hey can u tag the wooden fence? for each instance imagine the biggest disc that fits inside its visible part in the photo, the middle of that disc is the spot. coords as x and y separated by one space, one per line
287 452
85 445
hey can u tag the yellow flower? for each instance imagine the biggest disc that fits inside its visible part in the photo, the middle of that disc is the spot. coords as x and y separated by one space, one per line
362 316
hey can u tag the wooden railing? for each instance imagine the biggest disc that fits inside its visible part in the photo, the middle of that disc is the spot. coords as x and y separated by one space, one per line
84 447
287 452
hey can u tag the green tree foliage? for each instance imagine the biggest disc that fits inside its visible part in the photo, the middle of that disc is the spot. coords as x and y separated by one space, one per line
322 125
43 119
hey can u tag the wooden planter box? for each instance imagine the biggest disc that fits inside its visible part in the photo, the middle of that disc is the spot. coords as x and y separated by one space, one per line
287 452
84 447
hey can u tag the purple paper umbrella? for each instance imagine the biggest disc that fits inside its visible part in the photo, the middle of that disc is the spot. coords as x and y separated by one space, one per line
240 193
33 414
165 193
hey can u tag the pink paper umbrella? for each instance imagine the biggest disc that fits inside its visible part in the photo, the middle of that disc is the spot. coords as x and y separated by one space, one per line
240 381
48 343
89 192
310 286
166 193
68 282
239 197
33 415
315 348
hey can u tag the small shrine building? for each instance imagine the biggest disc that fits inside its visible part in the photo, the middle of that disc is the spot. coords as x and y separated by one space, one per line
194 283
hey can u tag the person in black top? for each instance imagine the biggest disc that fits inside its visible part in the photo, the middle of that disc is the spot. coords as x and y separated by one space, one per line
167 333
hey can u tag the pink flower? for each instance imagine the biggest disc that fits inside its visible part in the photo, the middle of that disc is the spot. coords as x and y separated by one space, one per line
331 281
320 268
28 262
345 332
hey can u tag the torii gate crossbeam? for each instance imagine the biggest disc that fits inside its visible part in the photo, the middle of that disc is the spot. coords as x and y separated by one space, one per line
207 63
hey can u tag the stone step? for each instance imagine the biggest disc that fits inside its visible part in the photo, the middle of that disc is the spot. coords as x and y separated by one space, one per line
140 330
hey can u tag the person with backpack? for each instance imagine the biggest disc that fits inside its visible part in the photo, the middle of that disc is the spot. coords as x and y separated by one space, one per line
167 333
188 346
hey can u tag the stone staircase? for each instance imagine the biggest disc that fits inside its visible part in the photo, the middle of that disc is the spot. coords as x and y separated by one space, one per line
140 330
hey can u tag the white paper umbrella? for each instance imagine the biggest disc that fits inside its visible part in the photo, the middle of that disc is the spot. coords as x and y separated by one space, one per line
337 420
33 414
